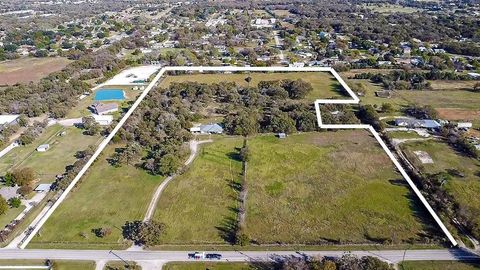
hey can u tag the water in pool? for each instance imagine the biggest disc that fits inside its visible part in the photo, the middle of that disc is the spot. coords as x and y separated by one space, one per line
109 94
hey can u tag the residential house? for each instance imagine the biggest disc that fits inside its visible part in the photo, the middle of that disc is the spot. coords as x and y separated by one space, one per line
103 108
416 123
103 120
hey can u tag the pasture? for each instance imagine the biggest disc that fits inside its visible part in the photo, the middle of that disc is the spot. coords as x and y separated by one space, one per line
323 83
319 188
106 197
464 189
308 189
25 70
52 162
198 206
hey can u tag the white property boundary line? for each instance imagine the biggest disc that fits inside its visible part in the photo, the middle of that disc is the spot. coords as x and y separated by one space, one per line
354 100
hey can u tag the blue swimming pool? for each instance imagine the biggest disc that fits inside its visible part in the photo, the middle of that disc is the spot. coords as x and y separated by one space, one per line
109 94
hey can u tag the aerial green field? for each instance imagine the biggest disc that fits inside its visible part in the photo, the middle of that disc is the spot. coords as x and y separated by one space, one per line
434 265
197 207
106 198
311 188
464 189
323 83
206 265
52 162
57 264
320 187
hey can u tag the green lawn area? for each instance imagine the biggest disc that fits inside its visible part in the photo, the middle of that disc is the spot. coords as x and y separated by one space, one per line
318 187
403 135
107 197
206 265
10 215
52 162
464 189
118 265
196 204
323 83
435 265
57 264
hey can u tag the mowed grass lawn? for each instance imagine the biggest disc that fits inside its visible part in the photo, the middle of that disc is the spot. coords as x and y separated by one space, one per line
52 162
464 189
436 265
196 205
206 265
57 264
106 197
323 83
330 186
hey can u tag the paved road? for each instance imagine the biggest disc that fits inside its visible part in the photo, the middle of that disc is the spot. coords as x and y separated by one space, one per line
392 256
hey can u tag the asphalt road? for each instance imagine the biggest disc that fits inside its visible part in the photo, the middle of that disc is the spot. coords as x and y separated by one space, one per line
392 256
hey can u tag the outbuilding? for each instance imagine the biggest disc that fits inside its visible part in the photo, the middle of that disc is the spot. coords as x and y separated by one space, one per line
43 148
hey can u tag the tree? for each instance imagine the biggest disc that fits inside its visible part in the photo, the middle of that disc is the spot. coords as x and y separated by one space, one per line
14 202
281 122
91 126
3 206
23 176
297 89
387 107
248 80
146 233
168 164
368 115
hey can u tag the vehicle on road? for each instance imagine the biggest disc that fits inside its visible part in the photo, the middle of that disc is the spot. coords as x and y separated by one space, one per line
196 255
213 256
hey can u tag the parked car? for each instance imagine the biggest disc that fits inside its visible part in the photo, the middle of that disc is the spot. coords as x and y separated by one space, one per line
213 256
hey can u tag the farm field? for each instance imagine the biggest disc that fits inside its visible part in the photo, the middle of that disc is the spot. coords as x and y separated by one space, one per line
52 162
202 199
434 265
28 69
464 189
120 194
206 265
319 187
323 83
57 264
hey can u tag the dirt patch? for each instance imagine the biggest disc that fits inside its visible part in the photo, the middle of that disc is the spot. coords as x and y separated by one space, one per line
458 114
424 157
25 70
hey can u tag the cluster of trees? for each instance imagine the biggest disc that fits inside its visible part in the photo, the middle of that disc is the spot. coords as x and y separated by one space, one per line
408 79
33 132
146 233
369 115
160 124
346 262
421 112
23 177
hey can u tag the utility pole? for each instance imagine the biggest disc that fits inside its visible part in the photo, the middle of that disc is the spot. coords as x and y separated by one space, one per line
125 262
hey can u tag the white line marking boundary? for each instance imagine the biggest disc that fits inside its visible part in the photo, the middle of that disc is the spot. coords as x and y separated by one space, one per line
354 100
